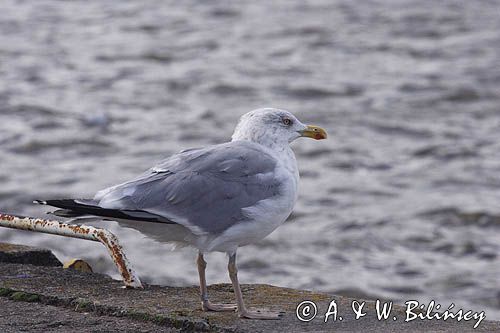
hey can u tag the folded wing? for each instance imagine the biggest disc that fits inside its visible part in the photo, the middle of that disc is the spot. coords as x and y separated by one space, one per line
202 189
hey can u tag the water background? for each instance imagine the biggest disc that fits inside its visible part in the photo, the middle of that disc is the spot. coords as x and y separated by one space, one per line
402 201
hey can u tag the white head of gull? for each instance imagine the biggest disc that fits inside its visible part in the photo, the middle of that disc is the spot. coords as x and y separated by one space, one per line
216 198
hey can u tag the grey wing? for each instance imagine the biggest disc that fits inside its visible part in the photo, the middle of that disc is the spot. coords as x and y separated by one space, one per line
202 189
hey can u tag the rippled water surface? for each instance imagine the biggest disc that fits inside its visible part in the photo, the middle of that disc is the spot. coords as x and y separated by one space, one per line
401 202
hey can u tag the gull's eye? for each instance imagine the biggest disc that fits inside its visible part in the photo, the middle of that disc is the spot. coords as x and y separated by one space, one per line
287 121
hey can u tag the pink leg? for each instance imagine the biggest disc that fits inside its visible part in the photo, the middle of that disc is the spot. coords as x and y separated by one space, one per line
243 312
206 305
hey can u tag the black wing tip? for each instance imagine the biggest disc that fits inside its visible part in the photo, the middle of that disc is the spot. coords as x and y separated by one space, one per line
56 202
66 213
78 207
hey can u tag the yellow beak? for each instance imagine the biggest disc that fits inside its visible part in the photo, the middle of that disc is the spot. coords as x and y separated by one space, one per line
314 132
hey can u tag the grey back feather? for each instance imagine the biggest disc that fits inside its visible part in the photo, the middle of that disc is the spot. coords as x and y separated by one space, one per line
204 189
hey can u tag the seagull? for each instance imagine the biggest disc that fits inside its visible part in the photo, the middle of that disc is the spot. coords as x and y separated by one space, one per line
216 198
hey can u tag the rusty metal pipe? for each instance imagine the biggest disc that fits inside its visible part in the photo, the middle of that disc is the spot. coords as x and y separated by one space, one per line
108 239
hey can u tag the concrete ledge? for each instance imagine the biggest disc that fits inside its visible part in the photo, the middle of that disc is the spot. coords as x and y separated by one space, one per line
38 317
20 254
178 309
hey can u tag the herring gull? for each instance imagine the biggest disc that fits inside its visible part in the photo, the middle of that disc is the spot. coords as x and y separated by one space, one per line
216 198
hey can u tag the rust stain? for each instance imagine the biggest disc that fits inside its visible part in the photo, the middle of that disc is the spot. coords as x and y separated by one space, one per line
7 217
116 252
55 227
78 229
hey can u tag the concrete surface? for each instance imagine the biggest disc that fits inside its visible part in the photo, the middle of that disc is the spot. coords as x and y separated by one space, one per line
38 317
52 299
21 254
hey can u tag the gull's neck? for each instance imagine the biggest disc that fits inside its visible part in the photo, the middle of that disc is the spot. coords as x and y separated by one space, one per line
275 144
277 147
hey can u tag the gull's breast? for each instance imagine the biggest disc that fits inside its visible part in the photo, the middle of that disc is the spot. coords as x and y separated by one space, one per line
263 217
